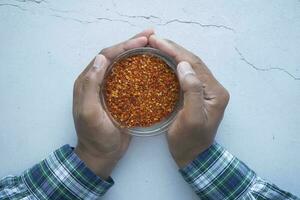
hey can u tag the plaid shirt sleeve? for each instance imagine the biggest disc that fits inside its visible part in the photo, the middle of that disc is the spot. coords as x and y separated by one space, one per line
217 174
61 176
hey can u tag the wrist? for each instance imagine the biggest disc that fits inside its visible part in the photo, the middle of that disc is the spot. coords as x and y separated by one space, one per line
102 167
184 158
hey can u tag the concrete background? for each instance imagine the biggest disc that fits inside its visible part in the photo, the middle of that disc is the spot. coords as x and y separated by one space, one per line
252 47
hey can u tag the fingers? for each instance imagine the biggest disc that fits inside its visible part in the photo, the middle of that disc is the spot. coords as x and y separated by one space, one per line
146 33
111 52
211 86
193 92
180 54
139 40
164 46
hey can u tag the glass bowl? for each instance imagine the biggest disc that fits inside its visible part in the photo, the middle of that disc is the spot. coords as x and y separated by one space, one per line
159 127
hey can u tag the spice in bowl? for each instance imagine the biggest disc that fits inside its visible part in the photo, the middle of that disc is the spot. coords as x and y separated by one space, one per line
141 90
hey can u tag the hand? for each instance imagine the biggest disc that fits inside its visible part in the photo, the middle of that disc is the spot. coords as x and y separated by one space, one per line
205 100
100 143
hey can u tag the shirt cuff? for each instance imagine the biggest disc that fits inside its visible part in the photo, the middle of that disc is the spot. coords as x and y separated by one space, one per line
217 174
64 176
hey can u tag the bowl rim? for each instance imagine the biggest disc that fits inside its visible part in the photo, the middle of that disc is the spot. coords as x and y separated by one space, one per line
159 127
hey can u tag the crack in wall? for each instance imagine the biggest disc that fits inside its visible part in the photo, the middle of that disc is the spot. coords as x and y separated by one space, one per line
199 24
149 17
116 20
263 68
13 5
128 16
34 1
139 16
94 21
75 19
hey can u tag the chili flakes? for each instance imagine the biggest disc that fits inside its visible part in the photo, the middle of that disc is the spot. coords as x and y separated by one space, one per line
141 90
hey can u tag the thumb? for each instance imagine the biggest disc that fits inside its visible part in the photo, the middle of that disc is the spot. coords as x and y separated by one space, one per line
99 68
95 75
193 92
94 78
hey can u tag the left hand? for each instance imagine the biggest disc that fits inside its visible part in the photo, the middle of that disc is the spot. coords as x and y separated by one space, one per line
100 143
205 101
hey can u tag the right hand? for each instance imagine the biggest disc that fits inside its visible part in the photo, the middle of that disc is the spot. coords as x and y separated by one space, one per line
205 100
100 144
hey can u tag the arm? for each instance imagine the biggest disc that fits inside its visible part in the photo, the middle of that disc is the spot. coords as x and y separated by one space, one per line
83 172
217 174
63 175
212 171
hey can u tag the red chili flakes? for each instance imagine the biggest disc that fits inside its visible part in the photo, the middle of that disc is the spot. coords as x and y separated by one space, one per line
141 90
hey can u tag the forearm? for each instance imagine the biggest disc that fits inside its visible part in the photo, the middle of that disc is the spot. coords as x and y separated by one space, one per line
217 174
61 176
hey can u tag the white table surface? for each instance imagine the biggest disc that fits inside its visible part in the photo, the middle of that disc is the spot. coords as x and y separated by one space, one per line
252 47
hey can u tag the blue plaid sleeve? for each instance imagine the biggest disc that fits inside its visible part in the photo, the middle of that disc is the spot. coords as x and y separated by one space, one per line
61 176
217 174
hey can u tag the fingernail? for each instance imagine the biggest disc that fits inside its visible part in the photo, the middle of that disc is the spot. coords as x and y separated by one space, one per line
184 69
99 61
